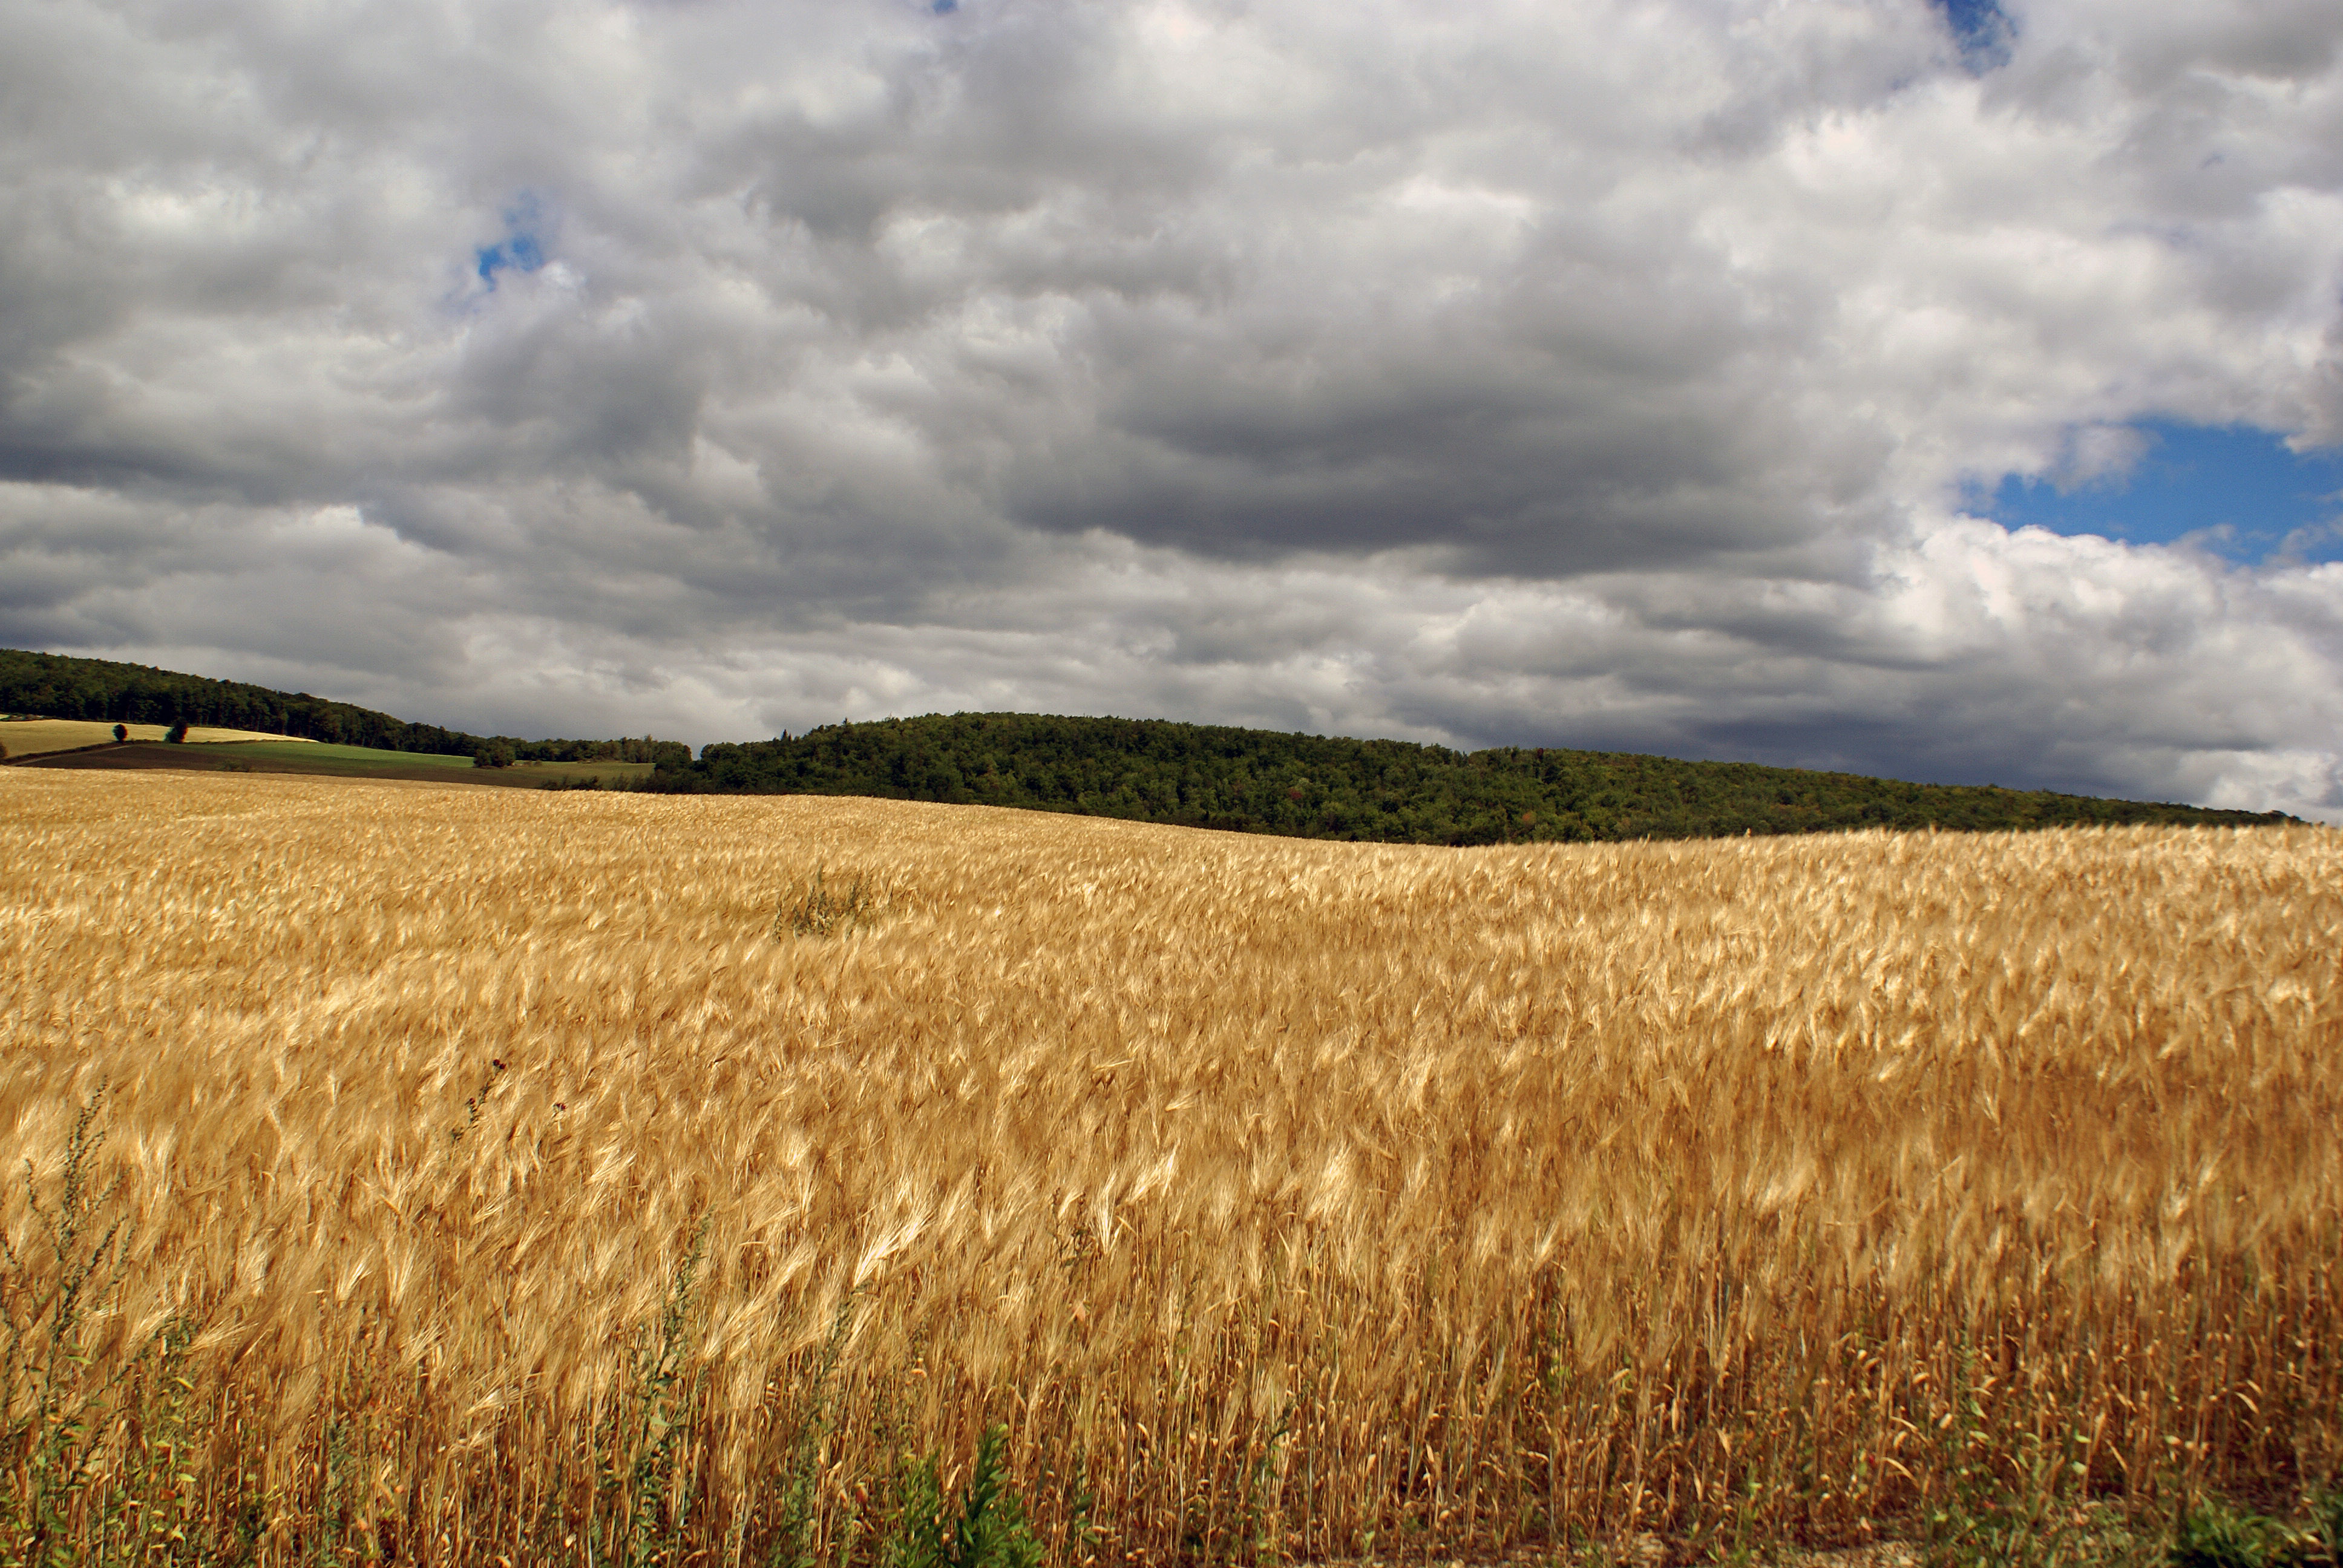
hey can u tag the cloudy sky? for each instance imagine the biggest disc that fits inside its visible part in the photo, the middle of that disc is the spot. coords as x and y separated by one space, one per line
1941 391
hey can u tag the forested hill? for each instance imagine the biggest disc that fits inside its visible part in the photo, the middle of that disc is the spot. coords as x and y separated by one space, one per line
55 686
1307 785
1149 770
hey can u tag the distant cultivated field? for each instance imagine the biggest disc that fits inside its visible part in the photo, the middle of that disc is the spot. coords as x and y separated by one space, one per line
313 753
27 737
509 1176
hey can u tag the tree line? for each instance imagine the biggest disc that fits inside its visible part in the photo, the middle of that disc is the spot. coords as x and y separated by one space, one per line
503 751
1391 791
58 685
1148 771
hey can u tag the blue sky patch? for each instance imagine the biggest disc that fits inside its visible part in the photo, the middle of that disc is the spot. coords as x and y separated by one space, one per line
520 252
521 249
1981 29
2234 490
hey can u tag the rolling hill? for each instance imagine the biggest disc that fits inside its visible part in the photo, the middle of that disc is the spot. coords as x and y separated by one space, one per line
1388 791
1155 770
58 685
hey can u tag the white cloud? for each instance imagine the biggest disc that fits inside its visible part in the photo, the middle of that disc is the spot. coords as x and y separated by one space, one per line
1592 373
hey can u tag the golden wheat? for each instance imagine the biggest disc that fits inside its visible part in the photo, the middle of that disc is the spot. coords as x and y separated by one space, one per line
32 737
1279 1196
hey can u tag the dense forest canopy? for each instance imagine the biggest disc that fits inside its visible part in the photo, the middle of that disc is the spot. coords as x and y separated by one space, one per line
1309 785
55 686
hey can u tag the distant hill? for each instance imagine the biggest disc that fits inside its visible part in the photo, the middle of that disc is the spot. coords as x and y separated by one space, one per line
56 686
1308 786
1149 770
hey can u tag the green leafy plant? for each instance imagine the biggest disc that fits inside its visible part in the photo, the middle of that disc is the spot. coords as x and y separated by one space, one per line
2005 1501
105 1450
640 1519
45 1374
2326 1522
2211 1533
654 1536
989 1532
793 1546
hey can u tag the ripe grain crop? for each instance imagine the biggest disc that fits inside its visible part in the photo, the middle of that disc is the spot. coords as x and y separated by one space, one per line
35 737
505 1178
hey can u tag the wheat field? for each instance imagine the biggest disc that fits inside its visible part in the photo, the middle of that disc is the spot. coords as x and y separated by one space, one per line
508 1178
35 736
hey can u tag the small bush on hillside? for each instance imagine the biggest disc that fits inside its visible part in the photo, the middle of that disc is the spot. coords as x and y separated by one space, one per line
177 735
122 732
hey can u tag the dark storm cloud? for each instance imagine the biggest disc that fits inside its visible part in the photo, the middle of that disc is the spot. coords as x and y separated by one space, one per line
1597 374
